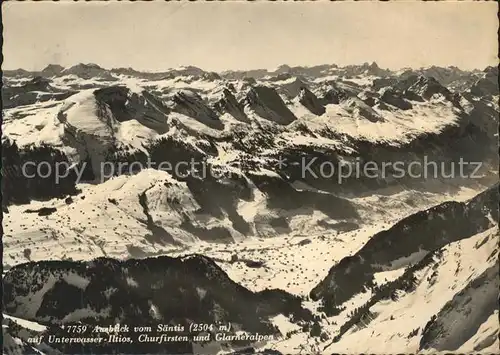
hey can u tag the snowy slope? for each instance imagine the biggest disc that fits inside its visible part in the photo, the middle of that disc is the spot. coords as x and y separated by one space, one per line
447 275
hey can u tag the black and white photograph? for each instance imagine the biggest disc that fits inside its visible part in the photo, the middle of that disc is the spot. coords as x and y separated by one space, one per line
250 177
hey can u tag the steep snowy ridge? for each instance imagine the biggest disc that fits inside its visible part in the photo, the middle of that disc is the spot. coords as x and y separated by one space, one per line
89 133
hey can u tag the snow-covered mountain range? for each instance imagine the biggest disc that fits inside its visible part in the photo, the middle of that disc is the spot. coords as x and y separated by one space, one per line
255 231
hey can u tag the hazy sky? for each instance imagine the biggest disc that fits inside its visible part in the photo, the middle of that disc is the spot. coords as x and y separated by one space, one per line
245 35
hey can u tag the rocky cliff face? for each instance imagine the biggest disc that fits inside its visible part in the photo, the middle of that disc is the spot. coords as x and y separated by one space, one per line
192 105
332 94
310 101
227 103
359 109
125 105
487 84
266 102
388 95
426 88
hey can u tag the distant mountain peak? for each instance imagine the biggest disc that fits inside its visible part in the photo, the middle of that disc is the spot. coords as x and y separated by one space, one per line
282 69
85 65
52 69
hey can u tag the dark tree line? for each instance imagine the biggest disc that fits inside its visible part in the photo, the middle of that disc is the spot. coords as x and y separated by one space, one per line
21 183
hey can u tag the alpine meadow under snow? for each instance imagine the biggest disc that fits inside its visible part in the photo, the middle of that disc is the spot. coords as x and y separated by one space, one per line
260 234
